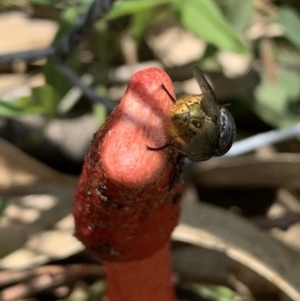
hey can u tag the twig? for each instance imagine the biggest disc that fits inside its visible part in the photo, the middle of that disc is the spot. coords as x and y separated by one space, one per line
34 286
266 53
44 278
243 292
271 137
73 95
82 28
66 46
283 222
75 81
28 56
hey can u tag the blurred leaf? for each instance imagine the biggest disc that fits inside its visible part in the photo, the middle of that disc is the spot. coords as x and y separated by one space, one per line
23 106
41 101
46 2
44 96
204 18
59 83
83 6
4 203
275 103
289 57
97 290
139 23
141 20
9 110
128 7
290 21
29 105
215 293
100 114
238 13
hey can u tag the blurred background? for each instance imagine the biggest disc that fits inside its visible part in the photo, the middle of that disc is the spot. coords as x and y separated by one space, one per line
248 242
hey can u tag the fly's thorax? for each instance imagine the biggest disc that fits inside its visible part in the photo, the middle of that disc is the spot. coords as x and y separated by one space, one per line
187 119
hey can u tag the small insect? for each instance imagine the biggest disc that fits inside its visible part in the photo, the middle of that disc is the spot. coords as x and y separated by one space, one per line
200 127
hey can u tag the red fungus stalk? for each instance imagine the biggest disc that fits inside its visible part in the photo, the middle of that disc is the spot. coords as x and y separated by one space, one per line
124 208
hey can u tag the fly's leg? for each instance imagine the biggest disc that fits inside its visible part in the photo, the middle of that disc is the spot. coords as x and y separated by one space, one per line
157 148
166 145
176 171
177 165
169 94
163 147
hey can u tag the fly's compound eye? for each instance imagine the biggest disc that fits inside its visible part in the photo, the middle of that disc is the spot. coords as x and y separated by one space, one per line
227 132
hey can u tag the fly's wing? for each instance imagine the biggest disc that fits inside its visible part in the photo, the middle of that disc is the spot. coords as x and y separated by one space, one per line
208 104
203 84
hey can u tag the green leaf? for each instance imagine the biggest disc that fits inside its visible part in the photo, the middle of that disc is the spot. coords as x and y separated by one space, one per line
20 107
143 19
215 293
9 110
287 56
128 7
45 2
100 114
4 203
204 19
139 23
44 97
27 105
41 101
238 13
276 102
290 21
